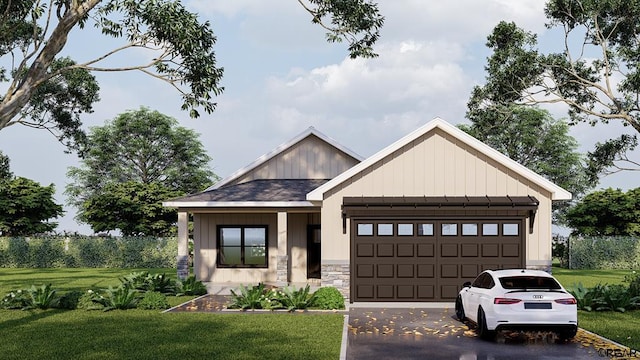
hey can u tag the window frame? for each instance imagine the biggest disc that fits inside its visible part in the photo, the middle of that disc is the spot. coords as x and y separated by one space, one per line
243 247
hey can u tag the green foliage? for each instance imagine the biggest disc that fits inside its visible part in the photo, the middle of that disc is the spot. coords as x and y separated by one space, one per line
153 300
88 301
70 300
607 212
27 207
254 297
132 164
190 286
610 252
144 281
42 297
328 298
585 297
616 298
293 299
120 298
18 299
633 279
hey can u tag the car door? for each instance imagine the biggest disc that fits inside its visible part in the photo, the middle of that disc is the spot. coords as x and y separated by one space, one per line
472 295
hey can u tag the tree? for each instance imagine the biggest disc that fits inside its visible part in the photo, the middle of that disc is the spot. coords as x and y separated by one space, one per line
25 205
607 212
49 92
134 208
533 138
596 73
143 147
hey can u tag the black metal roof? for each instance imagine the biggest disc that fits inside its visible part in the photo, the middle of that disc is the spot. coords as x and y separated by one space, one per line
259 190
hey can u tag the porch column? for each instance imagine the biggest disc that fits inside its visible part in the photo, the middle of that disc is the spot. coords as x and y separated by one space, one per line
282 269
183 245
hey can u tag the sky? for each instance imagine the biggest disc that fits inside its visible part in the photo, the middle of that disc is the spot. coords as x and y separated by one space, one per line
281 76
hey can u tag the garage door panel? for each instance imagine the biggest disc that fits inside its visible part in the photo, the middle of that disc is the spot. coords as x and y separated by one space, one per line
365 292
426 250
449 270
449 250
405 271
385 292
426 270
406 291
426 292
490 250
364 250
364 270
385 250
469 250
405 250
469 270
510 250
449 292
385 270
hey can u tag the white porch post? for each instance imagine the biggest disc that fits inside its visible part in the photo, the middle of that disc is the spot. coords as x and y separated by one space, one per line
282 269
183 245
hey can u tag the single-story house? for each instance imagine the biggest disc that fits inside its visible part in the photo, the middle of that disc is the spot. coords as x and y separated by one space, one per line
412 223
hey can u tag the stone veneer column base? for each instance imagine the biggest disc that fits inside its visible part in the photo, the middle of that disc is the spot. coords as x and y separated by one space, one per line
183 267
337 275
282 269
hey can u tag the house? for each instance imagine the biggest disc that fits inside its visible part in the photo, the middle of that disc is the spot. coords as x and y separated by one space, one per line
411 223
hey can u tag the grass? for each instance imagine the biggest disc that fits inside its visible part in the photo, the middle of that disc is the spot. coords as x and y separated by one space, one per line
623 328
145 334
588 278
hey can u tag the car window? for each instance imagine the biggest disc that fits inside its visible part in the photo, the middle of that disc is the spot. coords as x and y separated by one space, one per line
478 281
484 281
529 282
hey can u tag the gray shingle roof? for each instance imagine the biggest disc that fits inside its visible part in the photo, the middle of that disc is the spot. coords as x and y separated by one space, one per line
260 190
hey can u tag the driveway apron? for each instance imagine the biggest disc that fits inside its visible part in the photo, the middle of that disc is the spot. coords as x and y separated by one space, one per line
416 333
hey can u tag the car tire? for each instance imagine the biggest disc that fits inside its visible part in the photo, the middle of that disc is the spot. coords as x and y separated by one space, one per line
482 330
460 309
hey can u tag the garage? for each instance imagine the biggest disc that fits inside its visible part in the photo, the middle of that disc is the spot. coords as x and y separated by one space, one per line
424 249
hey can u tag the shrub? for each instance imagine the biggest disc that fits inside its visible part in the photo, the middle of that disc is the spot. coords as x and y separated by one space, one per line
161 283
634 283
46 252
121 298
619 252
617 298
89 301
328 298
585 298
135 280
153 300
18 299
70 300
43 297
255 297
295 299
190 286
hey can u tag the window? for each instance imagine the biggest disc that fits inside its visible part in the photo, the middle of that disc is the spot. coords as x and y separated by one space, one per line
489 229
449 229
385 229
470 229
365 229
510 229
425 229
242 246
405 229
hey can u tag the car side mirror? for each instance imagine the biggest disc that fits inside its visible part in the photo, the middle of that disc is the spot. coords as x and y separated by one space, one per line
466 284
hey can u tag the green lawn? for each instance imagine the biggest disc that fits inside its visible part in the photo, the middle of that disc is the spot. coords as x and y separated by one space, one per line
588 278
141 334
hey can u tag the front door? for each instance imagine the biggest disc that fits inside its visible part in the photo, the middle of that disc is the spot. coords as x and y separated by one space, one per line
313 252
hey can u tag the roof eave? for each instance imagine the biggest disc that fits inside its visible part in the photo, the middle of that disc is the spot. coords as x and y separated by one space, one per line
238 204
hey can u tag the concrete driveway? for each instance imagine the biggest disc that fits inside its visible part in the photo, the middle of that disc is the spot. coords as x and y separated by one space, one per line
423 333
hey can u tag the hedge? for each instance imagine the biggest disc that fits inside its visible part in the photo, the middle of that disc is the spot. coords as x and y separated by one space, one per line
88 251
611 252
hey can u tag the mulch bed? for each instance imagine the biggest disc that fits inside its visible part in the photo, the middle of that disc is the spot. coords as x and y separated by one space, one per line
205 303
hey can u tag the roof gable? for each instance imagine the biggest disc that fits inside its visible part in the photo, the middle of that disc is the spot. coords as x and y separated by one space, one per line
557 192
331 159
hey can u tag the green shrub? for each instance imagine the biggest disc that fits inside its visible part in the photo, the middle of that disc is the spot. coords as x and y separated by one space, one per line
190 286
295 299
18 299
18 253
586 298
612 252
136 280
328 298
43 297
634 283
161 283
89 300
616 298
120 298
255 297
46 252
153 300
70 300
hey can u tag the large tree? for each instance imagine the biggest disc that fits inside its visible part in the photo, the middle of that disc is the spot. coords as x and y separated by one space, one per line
533 138
595 72
50 92
26 207
607 212
143 147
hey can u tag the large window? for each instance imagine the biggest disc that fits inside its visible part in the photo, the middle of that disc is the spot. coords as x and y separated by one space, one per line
242 246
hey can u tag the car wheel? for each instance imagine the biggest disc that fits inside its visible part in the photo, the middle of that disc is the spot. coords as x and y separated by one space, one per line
459 309
482 330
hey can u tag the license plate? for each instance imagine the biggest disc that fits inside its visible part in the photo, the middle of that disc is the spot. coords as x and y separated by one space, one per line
537 305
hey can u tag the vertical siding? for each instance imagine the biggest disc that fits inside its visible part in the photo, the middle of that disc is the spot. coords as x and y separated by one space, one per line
439 165
311 158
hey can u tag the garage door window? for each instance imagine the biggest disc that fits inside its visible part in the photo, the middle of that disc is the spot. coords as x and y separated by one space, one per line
405 229
365 229
385 229
489 229
425 229
510 229
470 229
449 229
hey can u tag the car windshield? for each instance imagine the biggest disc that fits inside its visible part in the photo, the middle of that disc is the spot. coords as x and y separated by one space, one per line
529 282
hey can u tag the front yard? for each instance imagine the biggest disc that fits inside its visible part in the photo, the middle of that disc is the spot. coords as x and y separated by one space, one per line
149 334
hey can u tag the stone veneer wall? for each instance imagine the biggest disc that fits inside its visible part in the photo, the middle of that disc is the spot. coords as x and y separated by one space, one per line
337 275
183 267
282 269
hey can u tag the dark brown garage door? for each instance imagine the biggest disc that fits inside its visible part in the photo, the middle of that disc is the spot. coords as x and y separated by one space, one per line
429 260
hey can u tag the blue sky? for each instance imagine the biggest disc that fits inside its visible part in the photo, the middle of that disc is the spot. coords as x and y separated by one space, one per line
282 77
